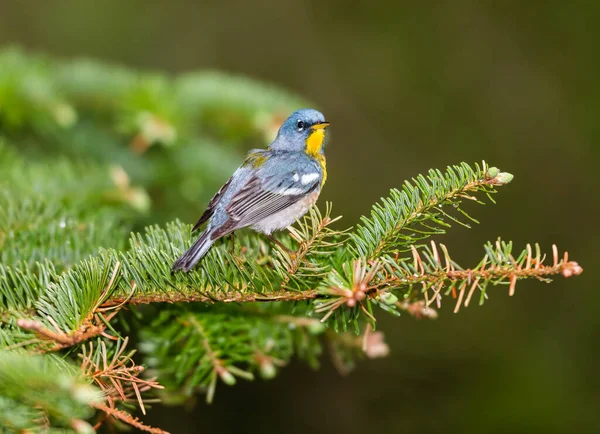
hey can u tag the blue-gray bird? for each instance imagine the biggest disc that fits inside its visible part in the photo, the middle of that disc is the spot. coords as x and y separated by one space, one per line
271 189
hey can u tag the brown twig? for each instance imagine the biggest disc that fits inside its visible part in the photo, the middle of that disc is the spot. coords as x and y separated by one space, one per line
60 338
371 283
471 278
125 417
220 297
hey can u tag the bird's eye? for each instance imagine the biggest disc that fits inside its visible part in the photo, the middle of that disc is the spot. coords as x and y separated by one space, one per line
300 125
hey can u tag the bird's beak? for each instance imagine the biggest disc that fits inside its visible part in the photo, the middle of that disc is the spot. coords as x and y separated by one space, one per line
320 126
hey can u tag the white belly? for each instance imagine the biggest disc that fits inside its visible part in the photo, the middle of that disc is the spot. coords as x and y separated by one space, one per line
286 217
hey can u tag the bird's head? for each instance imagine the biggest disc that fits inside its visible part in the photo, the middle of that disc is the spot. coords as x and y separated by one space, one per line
303 131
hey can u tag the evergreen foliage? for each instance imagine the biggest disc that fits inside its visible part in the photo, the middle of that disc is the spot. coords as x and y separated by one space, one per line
132 147
44 392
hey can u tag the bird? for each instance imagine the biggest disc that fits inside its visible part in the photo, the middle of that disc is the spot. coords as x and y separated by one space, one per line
270 190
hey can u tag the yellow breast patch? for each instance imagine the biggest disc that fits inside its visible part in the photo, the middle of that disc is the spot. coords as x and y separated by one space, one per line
314 142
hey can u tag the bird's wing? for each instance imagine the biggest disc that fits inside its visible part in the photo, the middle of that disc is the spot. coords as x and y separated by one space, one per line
262 197
210 208
255 157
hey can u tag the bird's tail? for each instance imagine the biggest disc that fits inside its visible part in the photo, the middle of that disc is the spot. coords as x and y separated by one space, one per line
194 253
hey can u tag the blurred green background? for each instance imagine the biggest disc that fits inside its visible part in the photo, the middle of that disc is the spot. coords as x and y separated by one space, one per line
407 86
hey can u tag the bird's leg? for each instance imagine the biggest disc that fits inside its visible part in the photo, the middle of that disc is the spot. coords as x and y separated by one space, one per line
232 237
237 259
291 253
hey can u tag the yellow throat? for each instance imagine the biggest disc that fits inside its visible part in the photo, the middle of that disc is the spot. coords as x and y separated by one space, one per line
314 143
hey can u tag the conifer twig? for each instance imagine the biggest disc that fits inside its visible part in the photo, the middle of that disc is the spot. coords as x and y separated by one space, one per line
118 378
219 297
125 417
417 211
61 339
429 270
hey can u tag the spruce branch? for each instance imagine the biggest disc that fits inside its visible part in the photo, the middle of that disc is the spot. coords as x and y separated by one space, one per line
64 309
192 348
208 350
257 274
359 284
420 209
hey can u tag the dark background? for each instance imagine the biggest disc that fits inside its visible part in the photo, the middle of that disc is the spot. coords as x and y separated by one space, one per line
407 86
